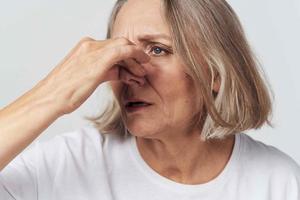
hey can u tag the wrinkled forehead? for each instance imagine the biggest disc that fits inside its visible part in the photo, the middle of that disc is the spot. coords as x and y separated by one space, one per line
139 18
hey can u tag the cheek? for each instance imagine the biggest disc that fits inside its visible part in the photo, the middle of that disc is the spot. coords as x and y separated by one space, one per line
168 75
173 87
163 71
116 88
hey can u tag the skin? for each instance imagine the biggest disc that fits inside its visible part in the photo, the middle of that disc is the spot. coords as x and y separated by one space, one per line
160 130
164 127
89 64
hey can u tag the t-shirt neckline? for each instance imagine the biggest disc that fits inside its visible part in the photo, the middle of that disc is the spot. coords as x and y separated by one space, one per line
186 188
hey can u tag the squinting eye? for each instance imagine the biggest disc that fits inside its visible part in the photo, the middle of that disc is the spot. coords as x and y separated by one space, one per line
157 51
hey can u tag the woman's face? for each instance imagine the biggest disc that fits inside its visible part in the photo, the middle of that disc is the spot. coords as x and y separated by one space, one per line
166 86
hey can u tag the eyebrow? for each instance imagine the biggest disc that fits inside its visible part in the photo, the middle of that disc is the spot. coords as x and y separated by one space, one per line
147 37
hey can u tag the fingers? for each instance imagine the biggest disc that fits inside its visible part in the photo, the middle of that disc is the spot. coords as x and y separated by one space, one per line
134 52
120 41
133 67
89 44
130 79
131 72
121 49
120 53
74 50
130 57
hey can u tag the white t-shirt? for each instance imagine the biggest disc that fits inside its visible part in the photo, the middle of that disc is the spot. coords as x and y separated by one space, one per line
87 165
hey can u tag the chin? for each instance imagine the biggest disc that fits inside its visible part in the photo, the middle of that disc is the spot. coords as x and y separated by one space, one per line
142 129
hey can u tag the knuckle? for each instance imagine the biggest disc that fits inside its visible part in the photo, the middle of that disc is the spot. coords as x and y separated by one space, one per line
86 45
118 52
86 38
122 40
86 42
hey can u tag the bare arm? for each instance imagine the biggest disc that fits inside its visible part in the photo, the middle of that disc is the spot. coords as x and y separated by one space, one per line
24 120
89 64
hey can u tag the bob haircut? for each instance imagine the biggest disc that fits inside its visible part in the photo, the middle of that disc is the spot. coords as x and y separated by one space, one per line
210 39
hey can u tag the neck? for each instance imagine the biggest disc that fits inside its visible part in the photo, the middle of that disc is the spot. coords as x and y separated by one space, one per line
184 157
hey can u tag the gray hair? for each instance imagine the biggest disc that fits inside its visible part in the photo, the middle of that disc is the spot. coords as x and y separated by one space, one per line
209 38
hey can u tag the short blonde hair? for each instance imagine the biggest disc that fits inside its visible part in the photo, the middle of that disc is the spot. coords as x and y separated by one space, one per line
209 38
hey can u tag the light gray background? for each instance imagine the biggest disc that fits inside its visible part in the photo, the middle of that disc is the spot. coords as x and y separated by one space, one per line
36 34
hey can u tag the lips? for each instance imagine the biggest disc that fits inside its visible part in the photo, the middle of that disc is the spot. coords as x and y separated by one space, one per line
136 102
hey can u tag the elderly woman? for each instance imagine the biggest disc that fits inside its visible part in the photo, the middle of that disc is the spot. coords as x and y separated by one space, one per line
185 85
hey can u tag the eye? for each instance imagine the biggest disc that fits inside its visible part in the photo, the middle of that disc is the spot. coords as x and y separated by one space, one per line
158 51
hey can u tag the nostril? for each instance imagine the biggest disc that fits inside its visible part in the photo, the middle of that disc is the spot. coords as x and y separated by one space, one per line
135 81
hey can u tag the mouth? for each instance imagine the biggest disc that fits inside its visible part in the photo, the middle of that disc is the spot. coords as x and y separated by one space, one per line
136 105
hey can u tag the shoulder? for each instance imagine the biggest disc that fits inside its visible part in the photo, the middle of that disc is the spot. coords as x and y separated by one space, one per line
84 142
78 146
87 134
267 158
83 136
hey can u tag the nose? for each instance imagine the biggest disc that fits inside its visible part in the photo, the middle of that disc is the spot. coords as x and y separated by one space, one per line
130 79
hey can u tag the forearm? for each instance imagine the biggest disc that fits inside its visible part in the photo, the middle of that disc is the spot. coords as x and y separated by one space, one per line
24 120
65 88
